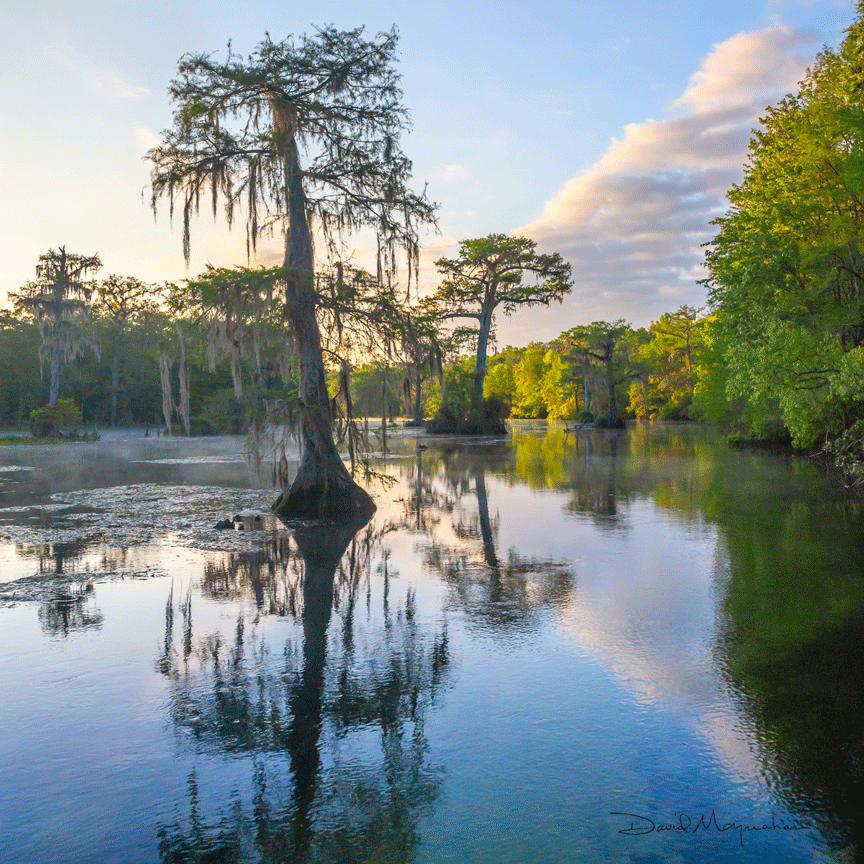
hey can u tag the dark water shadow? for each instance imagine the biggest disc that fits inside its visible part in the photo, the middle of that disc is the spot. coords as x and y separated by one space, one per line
309 799
68 610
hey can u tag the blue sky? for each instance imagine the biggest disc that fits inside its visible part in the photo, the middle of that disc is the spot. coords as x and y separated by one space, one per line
607 132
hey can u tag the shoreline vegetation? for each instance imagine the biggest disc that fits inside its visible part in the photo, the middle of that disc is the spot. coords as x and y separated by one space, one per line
776 355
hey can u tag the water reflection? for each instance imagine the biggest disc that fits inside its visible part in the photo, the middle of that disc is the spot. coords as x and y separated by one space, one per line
596 495
790 648
56 558
69 609
809 708
331 694
789 583
708 655
500 592
269 574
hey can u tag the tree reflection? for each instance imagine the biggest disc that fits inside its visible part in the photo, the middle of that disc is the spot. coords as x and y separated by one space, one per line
304 718
809 707
791 650
597 494
59 558
499 592
597 468
68 609
424 499
269 574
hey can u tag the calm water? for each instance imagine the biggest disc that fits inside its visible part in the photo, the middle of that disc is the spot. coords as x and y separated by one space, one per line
531 648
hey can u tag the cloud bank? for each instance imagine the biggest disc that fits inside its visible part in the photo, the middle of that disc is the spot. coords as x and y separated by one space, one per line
632 224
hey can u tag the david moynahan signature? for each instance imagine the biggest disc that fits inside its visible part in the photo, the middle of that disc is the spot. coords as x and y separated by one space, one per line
640 825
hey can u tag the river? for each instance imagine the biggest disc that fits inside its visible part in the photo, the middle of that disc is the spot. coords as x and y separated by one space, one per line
584 647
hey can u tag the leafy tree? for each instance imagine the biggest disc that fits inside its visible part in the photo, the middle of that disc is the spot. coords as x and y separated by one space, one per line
672 356
787 264
453 404
499 380
175 341
528 377
422 352
614 346
364 320
241 318
575 344
119 299
487 274
366 390
557 387
46 422
336 94
19 384
57 299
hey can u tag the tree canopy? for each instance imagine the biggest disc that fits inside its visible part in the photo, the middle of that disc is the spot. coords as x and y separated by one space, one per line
57 299
786 266
489 274
239 126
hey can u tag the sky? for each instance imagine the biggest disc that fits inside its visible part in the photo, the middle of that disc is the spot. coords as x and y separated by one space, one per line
607 132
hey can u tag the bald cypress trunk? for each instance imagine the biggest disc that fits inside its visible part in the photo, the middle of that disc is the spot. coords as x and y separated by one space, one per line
55 375
323 487
115 383
482 347
418 404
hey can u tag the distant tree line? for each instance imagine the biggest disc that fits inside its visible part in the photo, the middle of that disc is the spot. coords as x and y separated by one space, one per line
778 353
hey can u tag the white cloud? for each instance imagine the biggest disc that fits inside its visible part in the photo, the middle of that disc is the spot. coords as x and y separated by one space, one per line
733 74
107 84
632 223
454 172
114 89
147 139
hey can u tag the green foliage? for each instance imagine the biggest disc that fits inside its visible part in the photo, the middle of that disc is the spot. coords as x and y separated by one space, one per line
486 419
848 451
455 398
47 421
221 413
118 301
671 356
557 387
528 377
58 301
711 401
64 413
376 387
20 387
499 381
489 274
236 314
786 266
458 413
609 355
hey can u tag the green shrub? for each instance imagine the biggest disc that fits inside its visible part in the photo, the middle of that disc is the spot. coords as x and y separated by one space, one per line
459 419
46 422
